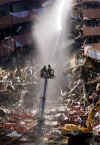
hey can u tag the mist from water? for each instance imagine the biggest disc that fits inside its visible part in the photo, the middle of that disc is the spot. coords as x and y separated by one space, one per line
51 33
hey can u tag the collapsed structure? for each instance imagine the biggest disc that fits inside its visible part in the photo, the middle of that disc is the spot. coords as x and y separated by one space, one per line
88 15
81 107
87 12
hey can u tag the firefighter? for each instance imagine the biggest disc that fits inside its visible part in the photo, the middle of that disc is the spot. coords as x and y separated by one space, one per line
18 72
94 98
43 72
96 94
50 72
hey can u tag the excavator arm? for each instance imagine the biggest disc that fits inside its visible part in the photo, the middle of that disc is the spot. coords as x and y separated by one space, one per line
92 114
73 129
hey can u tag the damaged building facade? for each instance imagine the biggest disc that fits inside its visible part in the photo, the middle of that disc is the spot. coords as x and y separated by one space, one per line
16 20
88 13
91 28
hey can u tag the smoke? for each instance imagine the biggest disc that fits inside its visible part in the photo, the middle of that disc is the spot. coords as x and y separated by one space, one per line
51 36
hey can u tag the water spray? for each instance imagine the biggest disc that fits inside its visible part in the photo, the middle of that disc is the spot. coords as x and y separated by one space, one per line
50 33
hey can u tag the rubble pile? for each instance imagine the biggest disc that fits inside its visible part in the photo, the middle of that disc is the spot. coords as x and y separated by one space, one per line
77 117
18 125
13 82
81 109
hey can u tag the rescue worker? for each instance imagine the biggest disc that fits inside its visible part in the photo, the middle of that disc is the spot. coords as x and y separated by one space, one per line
50 71
43 71
95 95
18 72
98 88
10 76
98 93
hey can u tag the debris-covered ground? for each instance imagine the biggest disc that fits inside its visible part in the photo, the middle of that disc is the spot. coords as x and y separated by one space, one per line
19 125
80 108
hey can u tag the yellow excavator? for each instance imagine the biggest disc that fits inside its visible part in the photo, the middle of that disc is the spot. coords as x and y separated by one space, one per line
75 129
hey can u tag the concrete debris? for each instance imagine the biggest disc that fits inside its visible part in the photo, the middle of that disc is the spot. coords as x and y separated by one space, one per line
77 118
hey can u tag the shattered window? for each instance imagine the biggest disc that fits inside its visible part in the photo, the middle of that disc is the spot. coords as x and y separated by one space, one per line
4 10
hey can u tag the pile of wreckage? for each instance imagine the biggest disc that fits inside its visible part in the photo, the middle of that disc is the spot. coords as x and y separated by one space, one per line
80 113
12 82
15 122
84 72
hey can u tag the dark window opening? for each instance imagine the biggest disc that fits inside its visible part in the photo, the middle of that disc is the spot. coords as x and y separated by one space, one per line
22 28
93 5
92 39
92 23
19 6
17 29
4 10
